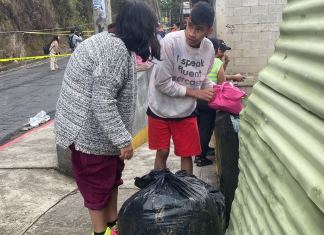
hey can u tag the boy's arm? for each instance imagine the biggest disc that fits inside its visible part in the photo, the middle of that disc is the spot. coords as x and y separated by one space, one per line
203 94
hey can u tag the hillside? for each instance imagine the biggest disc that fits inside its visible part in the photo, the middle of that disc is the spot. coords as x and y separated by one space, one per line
49 17
26 15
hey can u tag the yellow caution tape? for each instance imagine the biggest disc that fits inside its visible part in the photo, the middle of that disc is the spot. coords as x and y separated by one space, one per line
45 33
64 33
41 30
57 33
33 57
40 33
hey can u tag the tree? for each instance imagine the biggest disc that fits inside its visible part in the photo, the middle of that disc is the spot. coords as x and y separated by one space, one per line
171 9
81 12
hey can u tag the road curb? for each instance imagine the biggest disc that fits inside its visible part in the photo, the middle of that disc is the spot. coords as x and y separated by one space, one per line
25 135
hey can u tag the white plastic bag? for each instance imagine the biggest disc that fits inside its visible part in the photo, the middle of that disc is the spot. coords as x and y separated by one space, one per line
39 118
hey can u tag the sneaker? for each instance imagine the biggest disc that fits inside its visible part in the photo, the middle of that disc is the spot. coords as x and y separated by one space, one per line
197 159
114 230
204 162
110 231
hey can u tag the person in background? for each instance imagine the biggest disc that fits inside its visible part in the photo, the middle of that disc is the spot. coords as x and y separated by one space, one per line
96 107
112 28
184 23
206 116
177 81
72 30
221 54
160 33
76 39
54 50
175 27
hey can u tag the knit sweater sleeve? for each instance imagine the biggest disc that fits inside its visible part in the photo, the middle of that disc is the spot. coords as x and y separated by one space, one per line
104 103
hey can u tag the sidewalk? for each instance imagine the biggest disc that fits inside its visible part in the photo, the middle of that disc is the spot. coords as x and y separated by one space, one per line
37 199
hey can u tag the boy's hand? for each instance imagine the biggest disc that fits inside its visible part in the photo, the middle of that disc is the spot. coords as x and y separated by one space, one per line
204 94
126 153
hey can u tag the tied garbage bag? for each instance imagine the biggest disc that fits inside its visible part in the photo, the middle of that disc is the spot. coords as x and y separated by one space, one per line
177 204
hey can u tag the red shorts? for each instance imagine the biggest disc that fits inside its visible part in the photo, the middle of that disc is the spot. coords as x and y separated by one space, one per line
96 176
184 133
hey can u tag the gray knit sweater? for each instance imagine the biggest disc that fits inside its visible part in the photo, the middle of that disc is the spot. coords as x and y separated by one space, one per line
96 106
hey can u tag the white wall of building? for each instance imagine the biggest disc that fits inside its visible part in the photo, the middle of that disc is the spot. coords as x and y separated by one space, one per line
250 28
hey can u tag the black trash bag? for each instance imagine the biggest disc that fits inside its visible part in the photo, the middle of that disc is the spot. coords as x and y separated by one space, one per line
172 204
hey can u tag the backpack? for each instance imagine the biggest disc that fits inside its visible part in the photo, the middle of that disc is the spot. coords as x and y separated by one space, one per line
71 44
46 49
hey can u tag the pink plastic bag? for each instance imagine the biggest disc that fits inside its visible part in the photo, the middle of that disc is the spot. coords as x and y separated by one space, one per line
227 98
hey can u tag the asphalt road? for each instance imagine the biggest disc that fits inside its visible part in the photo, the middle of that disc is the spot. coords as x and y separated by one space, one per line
26 91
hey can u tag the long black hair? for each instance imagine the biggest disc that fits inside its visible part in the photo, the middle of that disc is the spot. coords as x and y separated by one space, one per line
55 38
135 25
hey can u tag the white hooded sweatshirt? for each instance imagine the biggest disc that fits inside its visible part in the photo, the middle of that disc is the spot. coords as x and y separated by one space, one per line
181 66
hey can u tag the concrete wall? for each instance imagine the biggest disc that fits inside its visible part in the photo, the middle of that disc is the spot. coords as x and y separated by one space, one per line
140 121
139 125
141 103
251 28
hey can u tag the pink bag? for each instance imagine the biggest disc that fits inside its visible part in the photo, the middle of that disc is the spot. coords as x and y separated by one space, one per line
227 98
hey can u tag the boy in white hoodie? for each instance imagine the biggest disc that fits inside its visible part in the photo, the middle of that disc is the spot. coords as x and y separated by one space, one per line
177 81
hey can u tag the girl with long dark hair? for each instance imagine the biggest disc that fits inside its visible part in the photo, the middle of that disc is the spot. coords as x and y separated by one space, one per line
54 49
96 107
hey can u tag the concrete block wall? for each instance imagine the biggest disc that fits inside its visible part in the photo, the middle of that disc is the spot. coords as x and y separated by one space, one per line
250 28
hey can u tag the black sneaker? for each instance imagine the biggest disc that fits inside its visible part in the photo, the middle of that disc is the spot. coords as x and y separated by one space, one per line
197 159
204 162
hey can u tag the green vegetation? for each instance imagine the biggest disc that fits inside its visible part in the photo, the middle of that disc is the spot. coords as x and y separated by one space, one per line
38 15
171 9
81 12
27 15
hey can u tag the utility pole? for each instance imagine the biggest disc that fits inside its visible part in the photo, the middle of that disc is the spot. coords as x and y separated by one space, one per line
109 12
101 15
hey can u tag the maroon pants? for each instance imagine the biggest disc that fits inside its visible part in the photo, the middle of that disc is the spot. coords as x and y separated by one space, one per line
96 176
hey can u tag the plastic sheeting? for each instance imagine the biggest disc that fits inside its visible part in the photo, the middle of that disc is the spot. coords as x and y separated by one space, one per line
281 181
174 204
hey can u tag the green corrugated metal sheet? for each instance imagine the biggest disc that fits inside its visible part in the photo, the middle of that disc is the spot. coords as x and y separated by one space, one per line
281 181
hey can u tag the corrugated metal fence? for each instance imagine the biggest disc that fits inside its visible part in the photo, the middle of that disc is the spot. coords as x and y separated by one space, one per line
281 181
